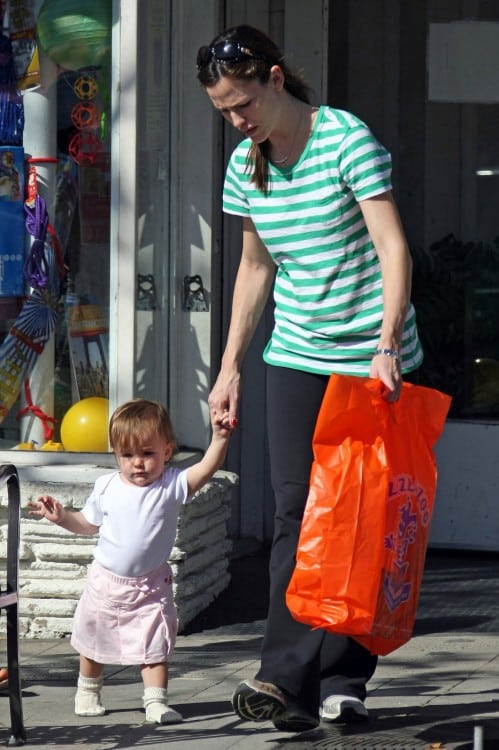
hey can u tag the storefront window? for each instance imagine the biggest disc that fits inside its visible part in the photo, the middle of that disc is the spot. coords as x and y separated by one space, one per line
456 277
456 294
55 177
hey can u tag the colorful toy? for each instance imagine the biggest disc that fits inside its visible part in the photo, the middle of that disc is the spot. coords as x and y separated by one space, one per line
51 445
11 101
86 87
31 446
76 34
86 116
36 411
84 146
12 237
84 426
22 32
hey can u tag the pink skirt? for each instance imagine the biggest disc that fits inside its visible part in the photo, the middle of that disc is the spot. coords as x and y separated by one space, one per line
126 620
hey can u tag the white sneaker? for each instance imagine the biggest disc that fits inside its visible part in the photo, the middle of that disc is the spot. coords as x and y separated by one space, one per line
343 709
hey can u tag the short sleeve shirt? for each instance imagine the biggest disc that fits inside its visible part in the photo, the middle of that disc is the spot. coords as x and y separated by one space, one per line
328 288
137 525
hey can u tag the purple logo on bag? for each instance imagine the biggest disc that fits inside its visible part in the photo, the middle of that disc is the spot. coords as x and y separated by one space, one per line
413 502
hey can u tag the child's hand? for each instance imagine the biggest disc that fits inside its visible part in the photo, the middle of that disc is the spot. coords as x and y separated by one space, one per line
223 425
47 507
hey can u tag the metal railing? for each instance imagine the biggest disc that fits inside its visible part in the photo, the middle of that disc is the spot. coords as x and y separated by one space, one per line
9 600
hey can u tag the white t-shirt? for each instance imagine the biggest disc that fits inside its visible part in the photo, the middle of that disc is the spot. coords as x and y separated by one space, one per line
137 525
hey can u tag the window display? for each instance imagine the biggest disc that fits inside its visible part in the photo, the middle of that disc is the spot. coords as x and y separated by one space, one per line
54 219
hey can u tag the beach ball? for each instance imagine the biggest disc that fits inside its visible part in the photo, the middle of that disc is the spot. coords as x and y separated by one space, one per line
84 426
75 33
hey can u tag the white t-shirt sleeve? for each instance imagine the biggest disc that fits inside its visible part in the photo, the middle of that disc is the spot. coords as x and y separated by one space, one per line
92 510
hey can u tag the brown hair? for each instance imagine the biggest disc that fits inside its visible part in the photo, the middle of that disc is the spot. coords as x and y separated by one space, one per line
265 54
136 421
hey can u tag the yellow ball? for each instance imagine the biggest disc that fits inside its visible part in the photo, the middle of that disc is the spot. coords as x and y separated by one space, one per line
84 426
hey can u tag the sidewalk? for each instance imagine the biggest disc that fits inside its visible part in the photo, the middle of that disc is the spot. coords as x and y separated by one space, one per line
436 689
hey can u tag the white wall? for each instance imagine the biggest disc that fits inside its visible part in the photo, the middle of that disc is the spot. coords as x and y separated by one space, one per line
466 514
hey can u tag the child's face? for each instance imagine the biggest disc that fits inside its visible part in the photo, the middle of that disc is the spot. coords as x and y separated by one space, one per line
144 464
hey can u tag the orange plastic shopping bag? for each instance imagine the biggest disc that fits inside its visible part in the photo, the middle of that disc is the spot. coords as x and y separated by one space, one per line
364 534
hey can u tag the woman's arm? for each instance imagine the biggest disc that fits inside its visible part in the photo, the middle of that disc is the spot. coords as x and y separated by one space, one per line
251 290
385 228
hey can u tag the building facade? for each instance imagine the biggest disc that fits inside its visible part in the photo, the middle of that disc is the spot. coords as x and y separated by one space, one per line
129 157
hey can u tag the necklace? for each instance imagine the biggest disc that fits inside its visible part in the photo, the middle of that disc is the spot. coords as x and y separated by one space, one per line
284 160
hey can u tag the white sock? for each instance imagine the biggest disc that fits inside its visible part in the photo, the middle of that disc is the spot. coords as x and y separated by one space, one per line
157 709
87 698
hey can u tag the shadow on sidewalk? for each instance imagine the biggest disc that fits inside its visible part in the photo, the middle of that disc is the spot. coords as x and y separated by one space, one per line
460 592
401 733
247 595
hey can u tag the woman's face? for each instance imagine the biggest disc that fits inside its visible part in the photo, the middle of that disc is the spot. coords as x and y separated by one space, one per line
249 105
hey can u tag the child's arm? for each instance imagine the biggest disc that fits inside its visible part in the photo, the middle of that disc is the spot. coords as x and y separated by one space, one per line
50 508
202 472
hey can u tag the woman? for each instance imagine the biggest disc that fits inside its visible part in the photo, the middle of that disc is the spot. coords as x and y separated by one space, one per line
313 188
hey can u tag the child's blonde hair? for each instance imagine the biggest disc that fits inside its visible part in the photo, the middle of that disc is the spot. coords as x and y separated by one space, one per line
136 421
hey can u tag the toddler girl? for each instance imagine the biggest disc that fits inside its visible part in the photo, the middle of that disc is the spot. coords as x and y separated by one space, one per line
126 614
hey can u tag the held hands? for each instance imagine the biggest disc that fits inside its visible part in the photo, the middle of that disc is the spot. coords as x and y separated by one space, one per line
222 424
224 401
47 507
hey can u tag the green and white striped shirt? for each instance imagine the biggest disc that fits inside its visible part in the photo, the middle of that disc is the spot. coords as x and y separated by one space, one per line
328 287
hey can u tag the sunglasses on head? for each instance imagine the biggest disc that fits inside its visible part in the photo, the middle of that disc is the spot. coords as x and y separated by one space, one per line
225 52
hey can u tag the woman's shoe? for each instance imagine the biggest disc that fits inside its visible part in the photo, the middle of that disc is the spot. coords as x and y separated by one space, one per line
254 700
295 719
343 709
